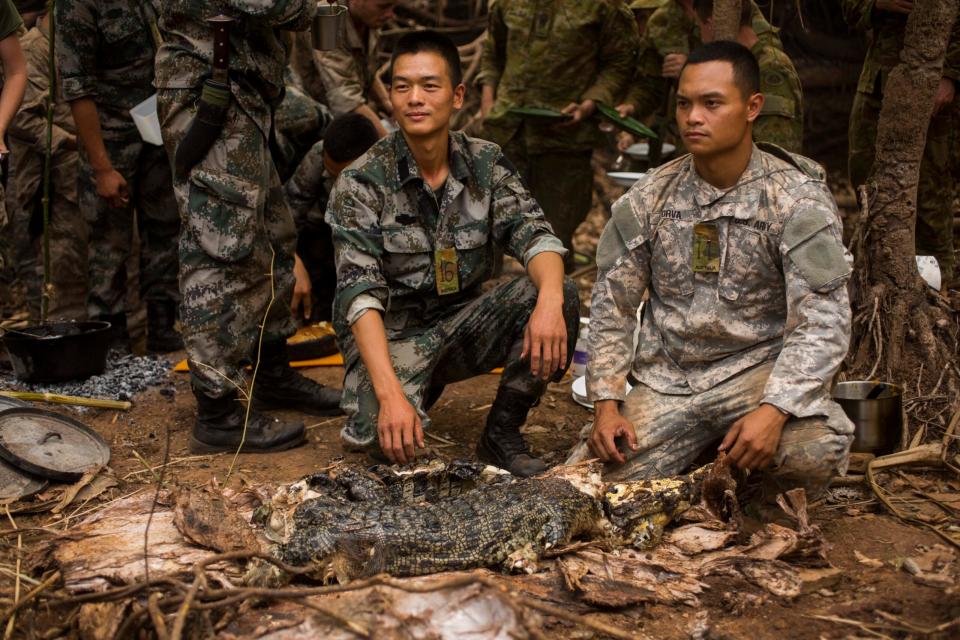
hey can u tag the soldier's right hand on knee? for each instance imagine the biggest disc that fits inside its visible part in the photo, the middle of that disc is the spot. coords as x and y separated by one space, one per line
608 425
399 430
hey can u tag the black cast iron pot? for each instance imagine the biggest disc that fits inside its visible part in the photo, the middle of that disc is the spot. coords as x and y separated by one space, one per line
59 351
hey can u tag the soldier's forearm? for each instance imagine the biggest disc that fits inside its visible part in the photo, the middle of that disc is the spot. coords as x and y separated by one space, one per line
371 337
368 113
546 273
15 81
87 119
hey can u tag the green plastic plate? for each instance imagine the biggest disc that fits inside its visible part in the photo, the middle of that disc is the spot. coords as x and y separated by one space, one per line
539 112
630 125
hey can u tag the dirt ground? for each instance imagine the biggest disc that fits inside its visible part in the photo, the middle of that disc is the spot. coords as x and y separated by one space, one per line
857 591
867 547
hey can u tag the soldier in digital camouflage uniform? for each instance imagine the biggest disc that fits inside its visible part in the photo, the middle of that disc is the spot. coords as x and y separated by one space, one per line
672 31
567 56
415 245
938 170
238 240
14 76
67 227
105 51
299 123
347 138
747 319
348 73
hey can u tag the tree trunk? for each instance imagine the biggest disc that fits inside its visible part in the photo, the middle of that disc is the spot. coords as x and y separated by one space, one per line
902 330
726 19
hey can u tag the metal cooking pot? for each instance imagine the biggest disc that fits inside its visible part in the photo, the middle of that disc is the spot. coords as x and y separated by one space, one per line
875 408
59 351
326 25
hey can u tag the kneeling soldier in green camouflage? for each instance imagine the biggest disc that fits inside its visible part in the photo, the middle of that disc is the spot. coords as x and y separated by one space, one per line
417 221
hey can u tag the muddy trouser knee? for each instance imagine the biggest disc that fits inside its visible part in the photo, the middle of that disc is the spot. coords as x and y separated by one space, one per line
237 241
485 333
673 430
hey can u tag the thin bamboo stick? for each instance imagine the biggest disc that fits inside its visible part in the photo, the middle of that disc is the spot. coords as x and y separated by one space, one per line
55 398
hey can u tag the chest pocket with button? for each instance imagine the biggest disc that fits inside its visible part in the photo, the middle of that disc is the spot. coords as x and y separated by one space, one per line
749 274
672 250
407 257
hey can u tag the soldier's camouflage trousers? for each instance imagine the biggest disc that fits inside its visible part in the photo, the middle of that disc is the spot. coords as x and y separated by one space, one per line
69 238
560 182
673 430
484 334
237 231
938 174
151 211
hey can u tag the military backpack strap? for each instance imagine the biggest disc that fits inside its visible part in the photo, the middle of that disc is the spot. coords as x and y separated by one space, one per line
803 163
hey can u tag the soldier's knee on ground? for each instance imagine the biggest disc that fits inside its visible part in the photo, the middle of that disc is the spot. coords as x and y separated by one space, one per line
811 453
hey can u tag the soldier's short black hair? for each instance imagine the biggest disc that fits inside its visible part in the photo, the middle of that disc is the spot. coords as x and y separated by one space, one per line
348 137
704 10
746 71
433 42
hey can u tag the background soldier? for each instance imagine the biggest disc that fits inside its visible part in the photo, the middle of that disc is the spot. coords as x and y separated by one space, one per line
887 19
105 51
348 73
67 227
568 56
14 85
347 138
674 29
238 241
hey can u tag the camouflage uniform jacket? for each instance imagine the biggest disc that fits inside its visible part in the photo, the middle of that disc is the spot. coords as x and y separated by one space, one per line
781 119
777 293
105 51
308 189
387 223
258 53
540 53
348 72
30 124
671 30
886 41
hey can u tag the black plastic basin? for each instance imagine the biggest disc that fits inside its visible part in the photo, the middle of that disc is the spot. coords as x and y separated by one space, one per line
59 351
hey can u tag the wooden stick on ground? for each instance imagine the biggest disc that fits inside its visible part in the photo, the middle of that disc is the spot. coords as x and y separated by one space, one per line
55 398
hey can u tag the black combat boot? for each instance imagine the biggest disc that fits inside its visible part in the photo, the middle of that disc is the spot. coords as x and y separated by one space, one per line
279 386
501 443
219 427
161 335
119 338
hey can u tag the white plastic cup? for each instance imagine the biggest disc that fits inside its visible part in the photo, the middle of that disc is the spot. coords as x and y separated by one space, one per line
148 124
578 367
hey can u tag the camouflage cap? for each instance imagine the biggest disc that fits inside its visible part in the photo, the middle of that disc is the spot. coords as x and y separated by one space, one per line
647 4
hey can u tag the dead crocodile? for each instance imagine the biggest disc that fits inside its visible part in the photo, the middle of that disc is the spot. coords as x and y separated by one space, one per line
464 515
363 525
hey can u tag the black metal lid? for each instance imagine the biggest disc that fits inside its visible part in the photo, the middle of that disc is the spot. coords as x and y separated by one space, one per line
15 484
49 444
11 403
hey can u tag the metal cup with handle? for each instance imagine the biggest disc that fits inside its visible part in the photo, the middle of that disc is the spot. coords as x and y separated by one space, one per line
327 24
